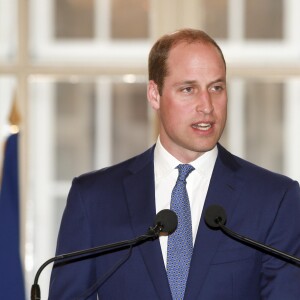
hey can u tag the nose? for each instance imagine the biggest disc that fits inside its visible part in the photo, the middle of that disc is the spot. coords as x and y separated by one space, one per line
204 104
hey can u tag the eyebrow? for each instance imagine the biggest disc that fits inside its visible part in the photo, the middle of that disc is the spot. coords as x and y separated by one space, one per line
194 82
220 80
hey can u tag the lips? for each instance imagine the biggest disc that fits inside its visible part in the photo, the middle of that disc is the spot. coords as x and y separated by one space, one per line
202 126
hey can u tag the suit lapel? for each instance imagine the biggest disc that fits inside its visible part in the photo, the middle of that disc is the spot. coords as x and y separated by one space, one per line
223 190
140 193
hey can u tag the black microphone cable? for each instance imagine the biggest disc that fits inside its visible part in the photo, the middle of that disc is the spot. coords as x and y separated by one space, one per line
103 278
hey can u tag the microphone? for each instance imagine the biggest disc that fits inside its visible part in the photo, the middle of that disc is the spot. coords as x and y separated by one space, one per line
165 222
215 218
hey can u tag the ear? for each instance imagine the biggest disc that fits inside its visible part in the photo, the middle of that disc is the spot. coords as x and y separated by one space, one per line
153 95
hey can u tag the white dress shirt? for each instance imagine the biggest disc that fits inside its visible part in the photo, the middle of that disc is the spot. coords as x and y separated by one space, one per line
197 184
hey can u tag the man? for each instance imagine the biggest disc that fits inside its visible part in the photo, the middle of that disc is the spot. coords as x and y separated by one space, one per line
187 89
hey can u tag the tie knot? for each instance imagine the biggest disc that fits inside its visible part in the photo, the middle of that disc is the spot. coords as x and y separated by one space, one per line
184 171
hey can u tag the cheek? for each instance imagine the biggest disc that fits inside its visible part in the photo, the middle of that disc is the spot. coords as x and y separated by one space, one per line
173 113
220 108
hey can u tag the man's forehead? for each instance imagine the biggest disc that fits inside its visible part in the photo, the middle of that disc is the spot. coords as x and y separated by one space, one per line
203 46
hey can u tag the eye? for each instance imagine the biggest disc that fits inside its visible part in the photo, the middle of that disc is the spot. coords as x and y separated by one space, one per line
217 88
187 90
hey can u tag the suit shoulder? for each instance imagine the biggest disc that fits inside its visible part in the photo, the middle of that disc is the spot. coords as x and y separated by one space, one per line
117 171
251 170
261 172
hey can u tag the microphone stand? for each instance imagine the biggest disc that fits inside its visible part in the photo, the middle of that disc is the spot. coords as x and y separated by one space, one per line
153 233
258 245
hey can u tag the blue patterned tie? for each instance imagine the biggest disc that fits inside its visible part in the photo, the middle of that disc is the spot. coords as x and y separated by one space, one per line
180 243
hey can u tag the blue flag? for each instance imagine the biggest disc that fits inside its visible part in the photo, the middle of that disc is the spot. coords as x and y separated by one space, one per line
11 275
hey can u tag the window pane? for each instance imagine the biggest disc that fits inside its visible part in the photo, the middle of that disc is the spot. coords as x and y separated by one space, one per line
130 124
216 17
74 19
74 128
76 118
264 19
129 19
264 124
8 30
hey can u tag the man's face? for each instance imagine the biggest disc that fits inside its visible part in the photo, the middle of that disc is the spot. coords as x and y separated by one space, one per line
193 106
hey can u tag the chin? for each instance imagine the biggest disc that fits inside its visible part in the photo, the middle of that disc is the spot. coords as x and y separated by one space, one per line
204 147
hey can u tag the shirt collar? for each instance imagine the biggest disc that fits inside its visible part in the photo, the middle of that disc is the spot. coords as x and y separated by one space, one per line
165 163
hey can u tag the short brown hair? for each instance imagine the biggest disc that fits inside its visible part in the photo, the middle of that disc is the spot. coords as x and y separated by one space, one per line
157 61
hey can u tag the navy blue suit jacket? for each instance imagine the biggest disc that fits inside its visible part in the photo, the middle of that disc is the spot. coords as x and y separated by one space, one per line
118 203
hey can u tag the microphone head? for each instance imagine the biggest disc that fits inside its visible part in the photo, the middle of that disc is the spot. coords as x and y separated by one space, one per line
214 216
167 219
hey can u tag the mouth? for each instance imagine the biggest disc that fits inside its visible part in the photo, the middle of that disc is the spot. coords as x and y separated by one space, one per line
202 126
